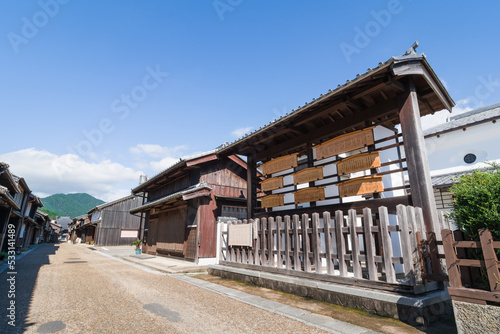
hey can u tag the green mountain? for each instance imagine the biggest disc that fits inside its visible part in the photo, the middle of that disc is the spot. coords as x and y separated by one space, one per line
72 205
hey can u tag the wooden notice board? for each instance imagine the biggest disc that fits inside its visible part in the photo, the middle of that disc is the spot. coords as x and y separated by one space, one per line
279 164
358 163
272 201
308 175
345 143
272 183
309 195
240 235
361 186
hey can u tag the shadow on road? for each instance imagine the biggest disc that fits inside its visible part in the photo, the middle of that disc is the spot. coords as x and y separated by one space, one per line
17 286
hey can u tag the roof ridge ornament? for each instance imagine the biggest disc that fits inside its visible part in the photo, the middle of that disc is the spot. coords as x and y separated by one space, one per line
412 49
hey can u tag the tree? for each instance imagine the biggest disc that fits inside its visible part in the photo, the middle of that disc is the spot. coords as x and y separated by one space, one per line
476 202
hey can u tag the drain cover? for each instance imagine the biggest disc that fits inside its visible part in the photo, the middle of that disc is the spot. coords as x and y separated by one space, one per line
163 312
51 327
75 262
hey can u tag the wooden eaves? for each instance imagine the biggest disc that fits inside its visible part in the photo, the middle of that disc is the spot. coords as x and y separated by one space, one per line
398 91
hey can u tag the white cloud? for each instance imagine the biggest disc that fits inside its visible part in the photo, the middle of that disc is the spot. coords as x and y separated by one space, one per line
167 155
157 151
241 131
47 173
439 117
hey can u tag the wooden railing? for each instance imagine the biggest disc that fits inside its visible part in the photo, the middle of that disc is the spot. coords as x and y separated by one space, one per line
354 249
462 272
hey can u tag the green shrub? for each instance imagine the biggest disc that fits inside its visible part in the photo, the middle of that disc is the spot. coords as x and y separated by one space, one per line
476 202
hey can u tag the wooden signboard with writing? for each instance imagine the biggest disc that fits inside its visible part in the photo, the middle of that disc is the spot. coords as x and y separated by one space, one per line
279 164
272 201
358 163
272 183
240 235
309 195
361 186
308 175
344 143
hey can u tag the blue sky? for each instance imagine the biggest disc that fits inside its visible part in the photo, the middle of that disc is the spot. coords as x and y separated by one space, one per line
95 93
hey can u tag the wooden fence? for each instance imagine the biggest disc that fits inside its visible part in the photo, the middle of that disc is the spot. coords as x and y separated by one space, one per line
353 249
460 269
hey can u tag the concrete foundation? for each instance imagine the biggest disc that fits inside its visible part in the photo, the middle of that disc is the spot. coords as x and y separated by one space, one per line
475 318
414 310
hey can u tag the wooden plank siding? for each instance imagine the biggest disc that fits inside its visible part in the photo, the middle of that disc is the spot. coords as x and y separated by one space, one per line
114 219
195 229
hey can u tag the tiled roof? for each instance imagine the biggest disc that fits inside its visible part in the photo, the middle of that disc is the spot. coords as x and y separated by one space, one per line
170 197
4 193
409 55
466 119
443 180
181 161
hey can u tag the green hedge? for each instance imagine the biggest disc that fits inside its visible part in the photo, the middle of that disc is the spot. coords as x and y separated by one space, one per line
476 202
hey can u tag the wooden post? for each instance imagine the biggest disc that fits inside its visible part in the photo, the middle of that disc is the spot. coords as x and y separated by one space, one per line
490 259
451 259
328 243
339 223
422 193
316 240
251 186
390 274
369 244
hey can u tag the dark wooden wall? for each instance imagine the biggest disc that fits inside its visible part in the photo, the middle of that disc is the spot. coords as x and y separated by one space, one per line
170 188
114 218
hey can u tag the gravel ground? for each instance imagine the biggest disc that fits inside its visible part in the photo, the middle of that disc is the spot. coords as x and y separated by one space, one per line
71 289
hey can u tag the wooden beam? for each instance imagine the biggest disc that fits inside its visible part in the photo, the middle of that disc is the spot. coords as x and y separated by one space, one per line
251 186
416 157
201 160
330 130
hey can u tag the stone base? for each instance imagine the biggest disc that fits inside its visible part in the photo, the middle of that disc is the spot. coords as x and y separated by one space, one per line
414 310
475 318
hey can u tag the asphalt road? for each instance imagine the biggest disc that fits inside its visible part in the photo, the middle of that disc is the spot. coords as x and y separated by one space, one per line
64 288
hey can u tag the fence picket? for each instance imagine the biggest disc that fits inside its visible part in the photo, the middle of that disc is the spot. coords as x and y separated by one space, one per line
264 242
339 223
279 257
330 269
369 244
270 239
257 241
296 243
316 240
306 245
356 265
387 245
405 244
288 243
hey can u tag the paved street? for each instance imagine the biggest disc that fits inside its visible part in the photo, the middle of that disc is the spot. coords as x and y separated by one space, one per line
75 290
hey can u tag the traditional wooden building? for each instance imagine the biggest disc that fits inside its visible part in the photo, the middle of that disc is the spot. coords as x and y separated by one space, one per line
183 202
8 205
112 223
340 149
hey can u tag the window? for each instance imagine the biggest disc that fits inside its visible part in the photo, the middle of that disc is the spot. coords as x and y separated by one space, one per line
470 158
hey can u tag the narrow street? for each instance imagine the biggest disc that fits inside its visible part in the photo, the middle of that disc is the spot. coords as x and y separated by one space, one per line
69 289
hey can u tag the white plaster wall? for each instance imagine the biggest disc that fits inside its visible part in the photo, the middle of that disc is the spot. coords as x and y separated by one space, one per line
449 149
